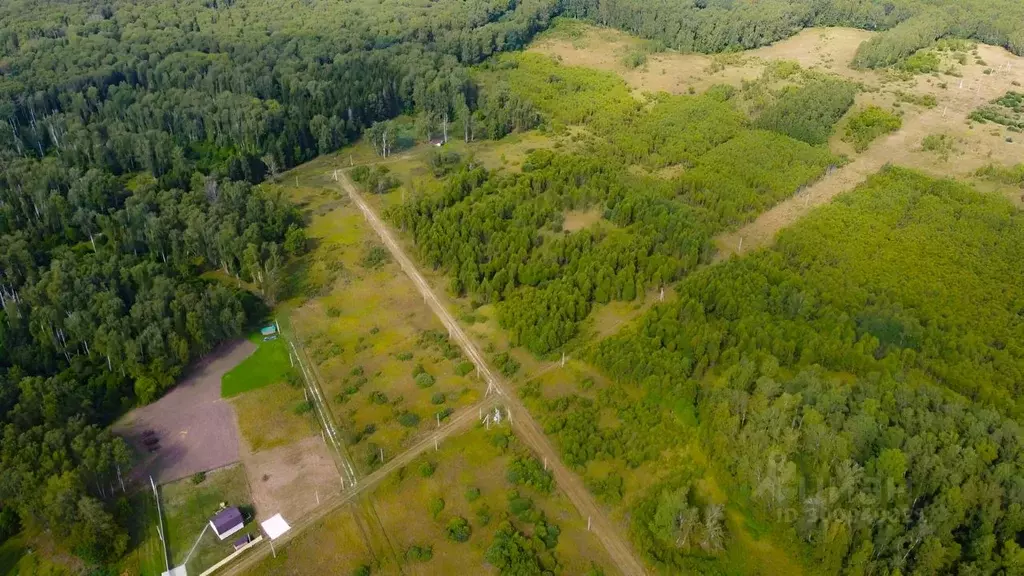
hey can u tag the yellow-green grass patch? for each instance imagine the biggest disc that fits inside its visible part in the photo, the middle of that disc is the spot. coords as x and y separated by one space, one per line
335 545
269 417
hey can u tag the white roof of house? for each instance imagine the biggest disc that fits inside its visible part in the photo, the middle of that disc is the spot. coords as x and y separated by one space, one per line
178 571
275 526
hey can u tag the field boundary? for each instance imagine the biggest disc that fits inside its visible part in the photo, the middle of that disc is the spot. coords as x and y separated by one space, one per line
160 525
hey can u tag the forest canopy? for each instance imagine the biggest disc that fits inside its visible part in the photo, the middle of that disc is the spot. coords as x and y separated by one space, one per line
722 25
131 135
860 380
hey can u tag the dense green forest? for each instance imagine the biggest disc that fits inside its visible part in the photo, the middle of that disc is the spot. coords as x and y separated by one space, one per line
129 136
726 25
859 382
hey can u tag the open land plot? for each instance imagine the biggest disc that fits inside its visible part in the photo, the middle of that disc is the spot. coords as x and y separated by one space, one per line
471 477
341 543
188 507
387 369
273 416
195 428
291 479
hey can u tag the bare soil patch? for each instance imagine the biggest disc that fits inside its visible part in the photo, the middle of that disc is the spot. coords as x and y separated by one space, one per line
578 219
194 426
288 479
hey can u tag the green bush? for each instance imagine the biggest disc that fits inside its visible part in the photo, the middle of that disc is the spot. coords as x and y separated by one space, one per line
458 529
464 368
427 469
363 570
409 419
198 477
303 407
472 493
437 398
506 364
424 380
375 256
435 506
417 553
868 124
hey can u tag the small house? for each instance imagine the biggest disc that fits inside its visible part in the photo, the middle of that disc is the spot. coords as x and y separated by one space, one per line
242 542
269 332
436 142
227 522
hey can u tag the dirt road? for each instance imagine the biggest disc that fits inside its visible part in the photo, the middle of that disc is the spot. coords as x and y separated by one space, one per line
522 423
458 422
761 232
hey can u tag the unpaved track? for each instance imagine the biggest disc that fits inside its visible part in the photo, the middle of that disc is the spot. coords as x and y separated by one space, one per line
462 420
761 232
522 423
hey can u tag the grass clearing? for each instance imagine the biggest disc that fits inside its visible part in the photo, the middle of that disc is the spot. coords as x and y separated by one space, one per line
188 508
580 219
267 365
335 545
268 418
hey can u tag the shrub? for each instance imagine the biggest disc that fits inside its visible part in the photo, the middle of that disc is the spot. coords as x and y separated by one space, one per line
634 59
483 515
437 398
409 419
424 380
472 493
198 477
374 257
378 397
444 413
435 506
427 469
303 407
458 529
506 364
529 471
464 368
419 553
363 570
868 124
